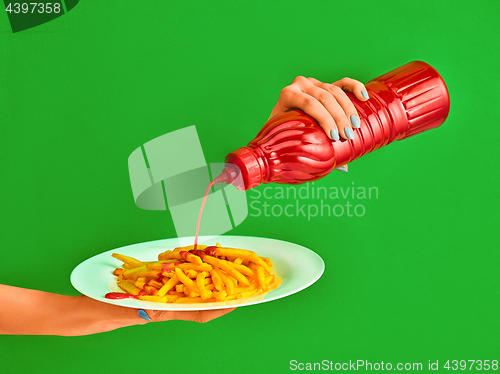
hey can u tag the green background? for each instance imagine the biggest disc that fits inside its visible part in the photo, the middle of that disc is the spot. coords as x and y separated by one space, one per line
415 279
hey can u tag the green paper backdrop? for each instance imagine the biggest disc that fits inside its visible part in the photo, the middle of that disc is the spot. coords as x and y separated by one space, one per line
416 278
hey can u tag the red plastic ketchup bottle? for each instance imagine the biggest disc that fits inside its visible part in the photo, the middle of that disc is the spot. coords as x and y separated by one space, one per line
292 148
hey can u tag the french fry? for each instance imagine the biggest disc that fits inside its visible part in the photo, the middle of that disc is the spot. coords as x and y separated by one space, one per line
159 299
252 287
155 284
143 273
130 272
191 258
169 255
268 261
118 272
246 294
221 295
149 289
244 254
200 282
127 260
191 273
139 285
168 286
178 294
233 252
261 277
241 268
216 279
158 265
129 287
169 268
189 266
228 282
228 269
188 300
186 281
179 287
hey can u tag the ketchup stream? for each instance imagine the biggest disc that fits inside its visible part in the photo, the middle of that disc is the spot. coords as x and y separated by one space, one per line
210 185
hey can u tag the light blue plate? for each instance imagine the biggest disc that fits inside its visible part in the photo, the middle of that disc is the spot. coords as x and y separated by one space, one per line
297 266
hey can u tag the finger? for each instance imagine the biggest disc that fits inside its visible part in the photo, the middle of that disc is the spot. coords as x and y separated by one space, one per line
354 86
338 105
200 316
346 104
296 98
209 315
343 168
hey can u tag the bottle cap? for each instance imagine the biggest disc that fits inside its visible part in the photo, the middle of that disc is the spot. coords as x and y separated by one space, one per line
248 163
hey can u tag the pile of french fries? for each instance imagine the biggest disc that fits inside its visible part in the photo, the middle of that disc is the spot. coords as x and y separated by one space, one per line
184 275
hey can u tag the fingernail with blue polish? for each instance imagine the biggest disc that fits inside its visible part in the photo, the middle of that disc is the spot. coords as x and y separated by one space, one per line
365 94
355 121
144 315
335 134
348 132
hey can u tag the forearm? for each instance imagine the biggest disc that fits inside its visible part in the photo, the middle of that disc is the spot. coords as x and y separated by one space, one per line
31 312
